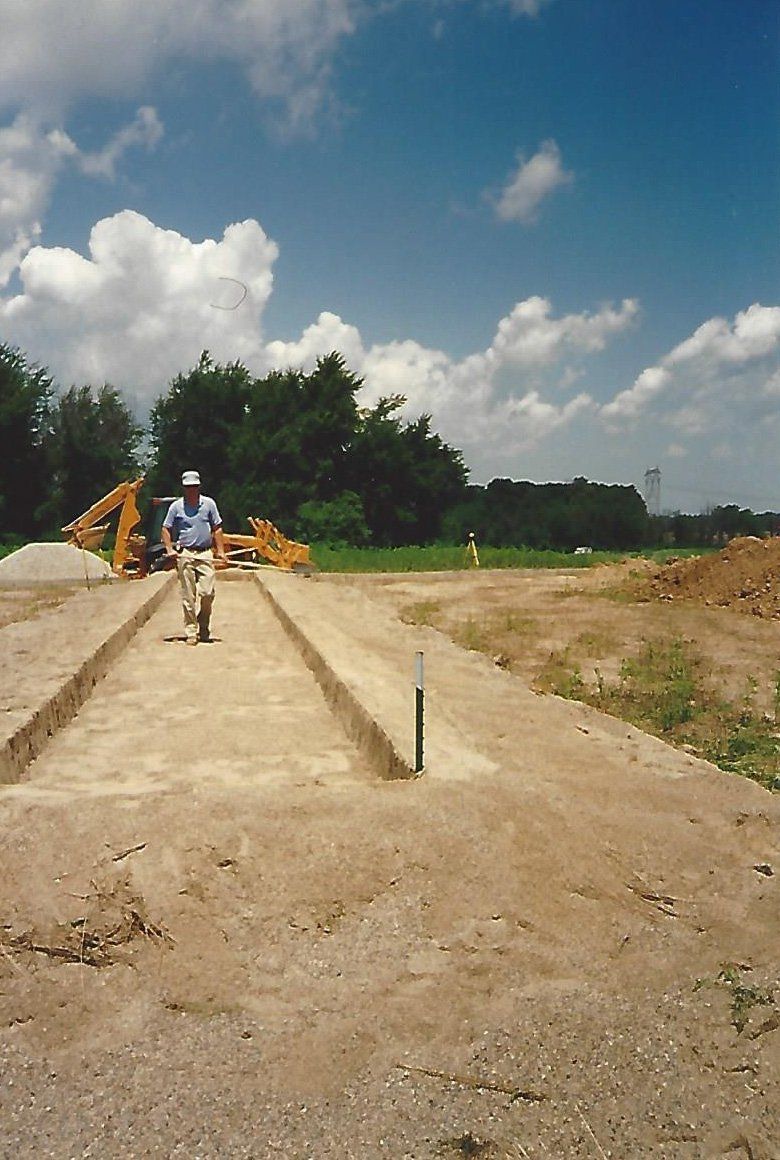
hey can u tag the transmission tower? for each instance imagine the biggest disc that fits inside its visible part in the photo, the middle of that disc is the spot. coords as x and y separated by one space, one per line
653 491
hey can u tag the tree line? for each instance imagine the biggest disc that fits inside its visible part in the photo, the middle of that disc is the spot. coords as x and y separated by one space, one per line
713 527
293 447
563 516
297 448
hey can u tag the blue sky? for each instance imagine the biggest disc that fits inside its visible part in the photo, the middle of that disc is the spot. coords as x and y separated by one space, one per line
553 224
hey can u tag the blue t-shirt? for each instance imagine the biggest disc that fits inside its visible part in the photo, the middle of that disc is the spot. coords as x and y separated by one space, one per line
192 526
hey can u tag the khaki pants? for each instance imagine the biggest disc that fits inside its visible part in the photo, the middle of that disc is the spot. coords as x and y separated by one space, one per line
196 576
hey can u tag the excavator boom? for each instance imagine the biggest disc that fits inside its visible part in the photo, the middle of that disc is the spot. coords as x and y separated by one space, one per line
102 508
86 531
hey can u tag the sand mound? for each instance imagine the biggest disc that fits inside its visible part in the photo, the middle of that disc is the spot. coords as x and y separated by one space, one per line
745 576
52 564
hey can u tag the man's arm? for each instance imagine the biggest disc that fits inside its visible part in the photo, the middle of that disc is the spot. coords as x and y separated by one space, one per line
165 530
219 543
165 536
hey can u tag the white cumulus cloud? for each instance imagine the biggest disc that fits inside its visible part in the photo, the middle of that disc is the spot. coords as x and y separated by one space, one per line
724 372
145 129
491 400
328 333
630 402
532 181
32 157
754 333
53 53
30 160
143 302
142 305
530 336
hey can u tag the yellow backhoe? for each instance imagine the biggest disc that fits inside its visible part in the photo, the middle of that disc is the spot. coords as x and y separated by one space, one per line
136 555
268 543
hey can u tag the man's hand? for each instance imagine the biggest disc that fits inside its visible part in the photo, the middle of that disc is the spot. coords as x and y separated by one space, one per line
164 563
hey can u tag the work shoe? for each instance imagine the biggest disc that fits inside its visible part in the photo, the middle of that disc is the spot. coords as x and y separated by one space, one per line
193 640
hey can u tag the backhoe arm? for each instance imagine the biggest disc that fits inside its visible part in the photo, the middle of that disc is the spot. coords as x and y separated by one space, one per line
102 508
81 531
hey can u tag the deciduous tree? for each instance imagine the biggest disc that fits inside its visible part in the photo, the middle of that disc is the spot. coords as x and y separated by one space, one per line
25 393
90 446
194 425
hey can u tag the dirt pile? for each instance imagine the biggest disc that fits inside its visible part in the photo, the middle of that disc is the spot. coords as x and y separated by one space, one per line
744 576
52 563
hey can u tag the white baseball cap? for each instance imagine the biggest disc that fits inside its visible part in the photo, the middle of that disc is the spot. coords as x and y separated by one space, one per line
190 479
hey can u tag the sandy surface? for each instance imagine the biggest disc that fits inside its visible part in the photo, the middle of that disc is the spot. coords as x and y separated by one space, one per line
248 945
53 563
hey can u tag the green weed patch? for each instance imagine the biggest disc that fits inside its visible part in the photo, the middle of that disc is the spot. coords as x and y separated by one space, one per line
664 690
744 996
421 612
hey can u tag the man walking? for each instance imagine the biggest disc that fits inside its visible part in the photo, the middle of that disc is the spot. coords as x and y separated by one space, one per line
193 522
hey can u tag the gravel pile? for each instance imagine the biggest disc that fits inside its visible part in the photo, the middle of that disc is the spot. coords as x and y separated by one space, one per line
52 563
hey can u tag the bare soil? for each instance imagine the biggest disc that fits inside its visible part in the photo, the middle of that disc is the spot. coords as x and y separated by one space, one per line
19 602
596 618
222 935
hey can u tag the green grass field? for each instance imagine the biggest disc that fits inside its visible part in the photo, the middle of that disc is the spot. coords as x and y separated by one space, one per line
447 559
